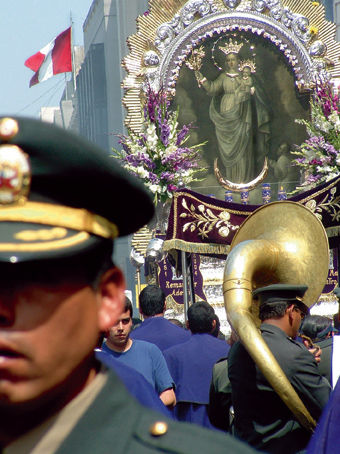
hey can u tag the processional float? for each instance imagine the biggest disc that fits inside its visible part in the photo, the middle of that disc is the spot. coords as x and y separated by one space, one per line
289 46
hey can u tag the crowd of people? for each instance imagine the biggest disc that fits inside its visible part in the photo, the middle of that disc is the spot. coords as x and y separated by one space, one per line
158 387
217 384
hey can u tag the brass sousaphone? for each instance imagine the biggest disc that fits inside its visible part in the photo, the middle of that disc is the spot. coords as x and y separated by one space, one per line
282 242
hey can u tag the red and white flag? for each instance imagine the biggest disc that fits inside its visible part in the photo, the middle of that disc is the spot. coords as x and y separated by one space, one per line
54 58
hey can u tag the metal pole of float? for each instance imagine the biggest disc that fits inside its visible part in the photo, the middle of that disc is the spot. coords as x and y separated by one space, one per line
185 284
192 284
138 286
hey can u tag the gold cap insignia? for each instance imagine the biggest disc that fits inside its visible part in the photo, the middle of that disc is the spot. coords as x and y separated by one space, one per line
15 175
8 128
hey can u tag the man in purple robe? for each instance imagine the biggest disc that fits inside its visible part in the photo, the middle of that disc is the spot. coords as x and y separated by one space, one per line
191 363
326 436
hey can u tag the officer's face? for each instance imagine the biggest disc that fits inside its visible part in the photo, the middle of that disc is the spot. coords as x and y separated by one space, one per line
48 330
297 317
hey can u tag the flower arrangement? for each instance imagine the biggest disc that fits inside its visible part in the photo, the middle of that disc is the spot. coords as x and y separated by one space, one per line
158 155
319 155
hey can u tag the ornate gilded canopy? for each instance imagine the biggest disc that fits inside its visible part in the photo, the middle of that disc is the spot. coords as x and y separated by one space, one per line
169 32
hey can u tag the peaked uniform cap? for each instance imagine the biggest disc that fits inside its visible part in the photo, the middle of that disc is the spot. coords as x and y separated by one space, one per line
60 193
280 292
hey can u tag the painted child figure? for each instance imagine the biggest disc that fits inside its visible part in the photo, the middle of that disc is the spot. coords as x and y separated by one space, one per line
246 88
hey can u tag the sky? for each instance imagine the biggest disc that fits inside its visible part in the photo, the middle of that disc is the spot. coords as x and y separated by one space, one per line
26 27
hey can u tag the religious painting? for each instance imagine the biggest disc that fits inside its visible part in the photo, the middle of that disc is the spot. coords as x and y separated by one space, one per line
242 98
242 73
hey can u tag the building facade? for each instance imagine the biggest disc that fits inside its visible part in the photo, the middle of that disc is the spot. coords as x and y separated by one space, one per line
100 113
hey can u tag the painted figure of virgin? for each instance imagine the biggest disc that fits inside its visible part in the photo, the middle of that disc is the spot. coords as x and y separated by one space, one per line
240 115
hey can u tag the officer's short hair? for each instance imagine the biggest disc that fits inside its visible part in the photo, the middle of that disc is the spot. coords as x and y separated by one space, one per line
151 300
273 310
200 317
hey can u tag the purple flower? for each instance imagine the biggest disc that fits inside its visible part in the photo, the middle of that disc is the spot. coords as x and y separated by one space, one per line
167 176
313 178
142 140
330 149
153 178
172 187
140 159
315 162
325 97
182 134
165 132
156 105
131 159
125 147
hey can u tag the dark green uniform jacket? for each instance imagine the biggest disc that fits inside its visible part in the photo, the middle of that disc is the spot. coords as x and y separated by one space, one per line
220 396
325 365
261 418
116 423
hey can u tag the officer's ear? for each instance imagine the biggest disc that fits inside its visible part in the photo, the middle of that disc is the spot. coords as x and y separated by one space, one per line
111 298
290 312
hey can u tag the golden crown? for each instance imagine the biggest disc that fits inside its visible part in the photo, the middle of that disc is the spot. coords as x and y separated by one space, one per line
250 63
231 48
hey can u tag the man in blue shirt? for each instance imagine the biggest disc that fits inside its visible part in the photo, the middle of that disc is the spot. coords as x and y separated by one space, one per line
142 356
135 383
156 328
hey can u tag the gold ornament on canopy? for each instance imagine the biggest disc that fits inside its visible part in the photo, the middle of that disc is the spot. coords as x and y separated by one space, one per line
233 47
172 29
239 187
194 62
247 64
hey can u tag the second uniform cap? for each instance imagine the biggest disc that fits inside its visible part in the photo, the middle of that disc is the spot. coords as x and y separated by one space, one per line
280 292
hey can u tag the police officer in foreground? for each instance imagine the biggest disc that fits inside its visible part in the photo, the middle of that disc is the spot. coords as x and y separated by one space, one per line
62 201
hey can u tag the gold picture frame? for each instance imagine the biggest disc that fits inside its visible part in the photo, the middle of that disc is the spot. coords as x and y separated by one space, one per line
294 44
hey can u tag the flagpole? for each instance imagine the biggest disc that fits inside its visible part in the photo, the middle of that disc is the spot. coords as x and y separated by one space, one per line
72 56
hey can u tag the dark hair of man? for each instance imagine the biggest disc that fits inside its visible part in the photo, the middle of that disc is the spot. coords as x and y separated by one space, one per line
216 330
128 306
176 322
273 310
151 300
314 325
200 317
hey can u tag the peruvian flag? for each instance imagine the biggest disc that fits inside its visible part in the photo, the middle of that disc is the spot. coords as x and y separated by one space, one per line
54 58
